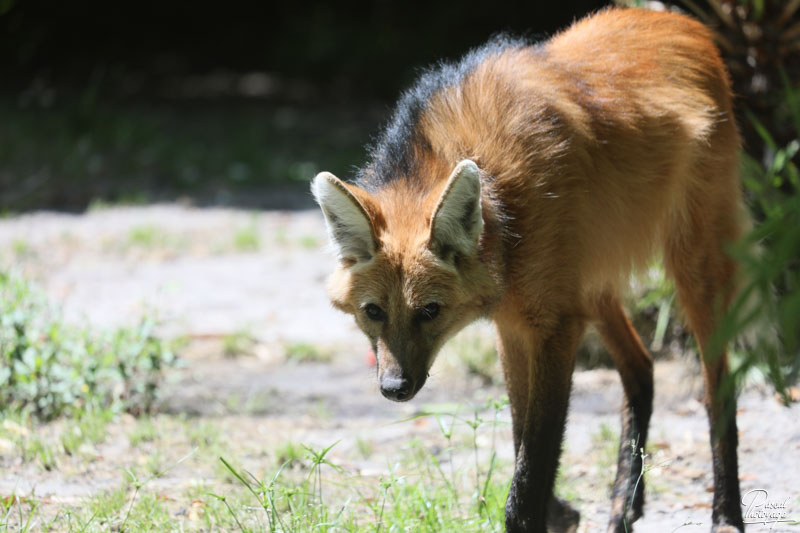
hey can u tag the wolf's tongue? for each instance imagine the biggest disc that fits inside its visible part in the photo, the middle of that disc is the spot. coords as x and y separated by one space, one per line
370 359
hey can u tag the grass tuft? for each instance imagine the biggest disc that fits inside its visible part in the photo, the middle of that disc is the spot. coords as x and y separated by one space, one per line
51 368
304 352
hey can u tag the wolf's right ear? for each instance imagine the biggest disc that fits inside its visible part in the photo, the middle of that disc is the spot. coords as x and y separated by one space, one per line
457 220
349 228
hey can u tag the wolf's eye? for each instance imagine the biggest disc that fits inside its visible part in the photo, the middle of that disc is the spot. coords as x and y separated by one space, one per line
375 313
430 311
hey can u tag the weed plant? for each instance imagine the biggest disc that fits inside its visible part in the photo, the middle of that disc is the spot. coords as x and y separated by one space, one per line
768 301
50 368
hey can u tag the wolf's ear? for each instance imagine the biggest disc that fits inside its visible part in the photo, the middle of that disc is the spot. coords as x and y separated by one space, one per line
457 220
349 228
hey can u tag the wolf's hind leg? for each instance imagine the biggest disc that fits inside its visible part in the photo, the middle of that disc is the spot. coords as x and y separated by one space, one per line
635 367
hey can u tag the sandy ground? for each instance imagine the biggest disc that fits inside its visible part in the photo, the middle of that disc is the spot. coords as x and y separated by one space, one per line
206 273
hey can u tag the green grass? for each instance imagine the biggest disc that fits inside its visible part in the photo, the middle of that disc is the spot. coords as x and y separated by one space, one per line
606 445
74 436
304 352
126 508
247 239
17 435
20 247
307 488
289 454
146 236
203 434
88 428
309 492
107 505
151 237
238 343
18 514
145 431
364 448
39 451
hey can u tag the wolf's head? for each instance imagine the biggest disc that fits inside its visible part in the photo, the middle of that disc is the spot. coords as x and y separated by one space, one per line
409 267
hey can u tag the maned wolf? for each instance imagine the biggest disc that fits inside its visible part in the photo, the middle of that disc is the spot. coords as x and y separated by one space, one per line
524 184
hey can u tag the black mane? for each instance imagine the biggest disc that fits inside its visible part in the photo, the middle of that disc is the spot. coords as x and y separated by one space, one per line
391 156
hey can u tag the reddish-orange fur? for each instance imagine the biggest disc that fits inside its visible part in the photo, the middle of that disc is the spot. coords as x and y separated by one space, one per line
611 143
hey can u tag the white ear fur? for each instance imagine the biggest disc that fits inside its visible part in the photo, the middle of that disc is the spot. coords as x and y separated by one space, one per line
349 228
457 220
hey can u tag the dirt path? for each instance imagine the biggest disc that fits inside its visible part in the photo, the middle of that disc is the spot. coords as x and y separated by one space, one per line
211 273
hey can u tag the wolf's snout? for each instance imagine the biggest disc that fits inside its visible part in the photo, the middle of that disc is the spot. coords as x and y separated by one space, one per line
398 389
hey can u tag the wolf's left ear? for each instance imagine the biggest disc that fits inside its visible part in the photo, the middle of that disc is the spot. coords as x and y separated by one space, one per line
457 220
349 227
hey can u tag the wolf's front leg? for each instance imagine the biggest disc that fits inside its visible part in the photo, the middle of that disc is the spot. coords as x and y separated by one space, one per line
538 369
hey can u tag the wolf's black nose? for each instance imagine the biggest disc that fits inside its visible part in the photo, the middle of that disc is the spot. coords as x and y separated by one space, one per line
395 388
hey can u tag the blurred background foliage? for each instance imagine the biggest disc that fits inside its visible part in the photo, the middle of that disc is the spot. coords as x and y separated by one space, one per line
241 103
136 101
760 42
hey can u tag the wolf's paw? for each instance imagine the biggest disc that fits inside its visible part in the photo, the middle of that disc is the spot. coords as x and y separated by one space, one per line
726 528
623 523
562 517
